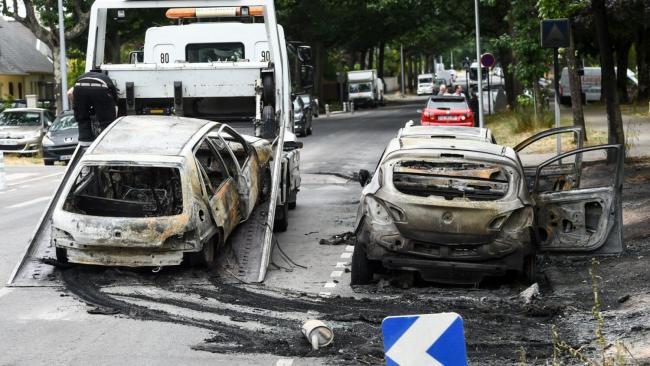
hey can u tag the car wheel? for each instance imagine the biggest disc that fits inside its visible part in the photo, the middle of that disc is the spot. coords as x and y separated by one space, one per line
48 162
205 257
311 130
62 255
362 271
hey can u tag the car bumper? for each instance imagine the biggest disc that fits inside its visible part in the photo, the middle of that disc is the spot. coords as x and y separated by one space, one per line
21 146
125 257
446 271
58 153
450 123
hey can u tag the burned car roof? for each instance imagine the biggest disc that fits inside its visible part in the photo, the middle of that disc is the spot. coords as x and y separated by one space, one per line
453 132
150 135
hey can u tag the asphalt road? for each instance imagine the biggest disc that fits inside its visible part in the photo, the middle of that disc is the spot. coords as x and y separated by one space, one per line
46 326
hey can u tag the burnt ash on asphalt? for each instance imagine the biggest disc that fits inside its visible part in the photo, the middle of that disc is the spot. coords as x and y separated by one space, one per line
498 324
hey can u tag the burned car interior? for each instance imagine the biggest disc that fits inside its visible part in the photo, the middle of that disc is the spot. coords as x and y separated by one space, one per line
126 191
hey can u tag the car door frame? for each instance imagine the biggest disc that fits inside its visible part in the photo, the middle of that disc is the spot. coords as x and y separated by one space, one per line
219 201
247 180
531 171
611 241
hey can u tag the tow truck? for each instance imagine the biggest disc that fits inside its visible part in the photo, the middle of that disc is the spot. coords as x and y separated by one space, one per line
218 62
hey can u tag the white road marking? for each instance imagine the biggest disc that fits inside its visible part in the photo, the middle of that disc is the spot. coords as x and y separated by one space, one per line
336 274
284 362
330 285
349 248
37 178
346 255
17 176
30 202
341 264
5 291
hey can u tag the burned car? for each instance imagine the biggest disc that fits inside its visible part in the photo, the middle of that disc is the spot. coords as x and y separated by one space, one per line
155 190
456 207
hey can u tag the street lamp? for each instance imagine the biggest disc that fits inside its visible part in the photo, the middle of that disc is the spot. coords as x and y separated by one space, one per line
479 67
62 60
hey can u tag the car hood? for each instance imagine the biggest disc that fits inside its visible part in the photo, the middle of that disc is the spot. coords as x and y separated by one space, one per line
64 137
17 131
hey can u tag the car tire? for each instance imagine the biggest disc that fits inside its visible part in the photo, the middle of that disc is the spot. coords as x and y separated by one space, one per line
61 255
206 256
529 269
48 162
268 89
362 269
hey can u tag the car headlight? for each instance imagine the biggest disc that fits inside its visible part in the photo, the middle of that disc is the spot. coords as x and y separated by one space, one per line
47 141
377 211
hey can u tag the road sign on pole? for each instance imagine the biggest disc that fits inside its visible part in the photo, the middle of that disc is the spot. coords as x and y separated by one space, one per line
488 60
556 33
424 340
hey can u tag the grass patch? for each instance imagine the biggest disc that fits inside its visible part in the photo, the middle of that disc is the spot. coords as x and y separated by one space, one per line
15 159
505 127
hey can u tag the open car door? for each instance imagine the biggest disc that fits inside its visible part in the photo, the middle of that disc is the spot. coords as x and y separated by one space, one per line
584 215
543 146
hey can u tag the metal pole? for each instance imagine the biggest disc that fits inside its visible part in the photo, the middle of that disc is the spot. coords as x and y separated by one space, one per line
2 171
62 59
556 87
401 61
451 56
489 93
479 66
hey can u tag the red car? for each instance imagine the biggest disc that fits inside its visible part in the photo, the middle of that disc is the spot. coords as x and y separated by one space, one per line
447 110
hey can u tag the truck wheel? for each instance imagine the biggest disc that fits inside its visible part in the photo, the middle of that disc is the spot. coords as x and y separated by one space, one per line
362 273
268 89
204 257
281 222
62 255
269 128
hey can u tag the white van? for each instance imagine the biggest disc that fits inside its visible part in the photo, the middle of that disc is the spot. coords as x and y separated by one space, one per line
591 84
425 84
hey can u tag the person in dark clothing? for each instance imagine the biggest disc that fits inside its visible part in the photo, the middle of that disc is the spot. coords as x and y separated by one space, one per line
94 93
473 105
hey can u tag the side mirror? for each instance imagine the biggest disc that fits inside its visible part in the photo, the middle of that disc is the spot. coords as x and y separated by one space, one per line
292 145
364 177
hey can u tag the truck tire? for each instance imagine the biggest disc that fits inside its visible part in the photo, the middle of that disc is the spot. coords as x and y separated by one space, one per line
62 255
269 128
268 90
362 269
281 222
205 257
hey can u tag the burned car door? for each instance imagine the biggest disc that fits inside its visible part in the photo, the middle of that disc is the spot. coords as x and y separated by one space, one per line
241 161
220 187
542 146
586 216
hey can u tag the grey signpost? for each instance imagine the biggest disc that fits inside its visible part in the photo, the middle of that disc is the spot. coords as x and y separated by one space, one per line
555 34
488 61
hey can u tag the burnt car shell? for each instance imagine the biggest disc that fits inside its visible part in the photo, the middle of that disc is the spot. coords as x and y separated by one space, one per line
456 210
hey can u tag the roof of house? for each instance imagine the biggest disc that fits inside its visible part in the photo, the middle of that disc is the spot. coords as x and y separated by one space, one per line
19 54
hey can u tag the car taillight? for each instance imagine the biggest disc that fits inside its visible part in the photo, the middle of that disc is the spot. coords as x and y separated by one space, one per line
427 116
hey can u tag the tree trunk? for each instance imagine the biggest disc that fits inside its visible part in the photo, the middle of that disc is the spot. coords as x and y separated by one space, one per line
576 89
642 63
616 135
371 58
622 58
319 66
362 61
380 59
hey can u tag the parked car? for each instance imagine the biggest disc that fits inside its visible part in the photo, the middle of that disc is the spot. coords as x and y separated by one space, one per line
61 139
302 117
447 110
175 189
309 100
22 129
457 207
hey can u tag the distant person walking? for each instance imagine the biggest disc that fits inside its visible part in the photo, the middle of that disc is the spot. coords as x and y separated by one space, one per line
94 94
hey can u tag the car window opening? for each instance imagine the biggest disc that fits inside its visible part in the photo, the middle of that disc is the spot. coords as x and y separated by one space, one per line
214 52
472 181
126 191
